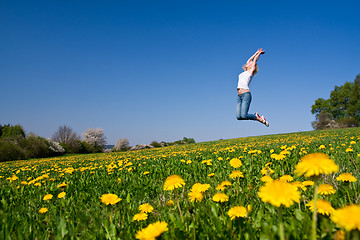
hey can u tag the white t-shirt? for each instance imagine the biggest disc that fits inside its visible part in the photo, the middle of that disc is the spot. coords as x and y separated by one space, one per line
244 80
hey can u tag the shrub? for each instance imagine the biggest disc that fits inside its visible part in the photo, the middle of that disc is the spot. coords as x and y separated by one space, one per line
122 145
10 150
36 147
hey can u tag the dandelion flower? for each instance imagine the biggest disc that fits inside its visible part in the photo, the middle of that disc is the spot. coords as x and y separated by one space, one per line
37 184
277 156
110 198
236 174
279 193
339 235
198 187
61 195
308 183
172 182
346 177
146 208
299 185
225 183
195 196
170 203
146 173
220 187
235 163
266 171
140 216
61 185
43 210
236 212
152 231
286 178
326 189
211 174
349 150
266 178
347 217
48 197
316 164
220 197
322 206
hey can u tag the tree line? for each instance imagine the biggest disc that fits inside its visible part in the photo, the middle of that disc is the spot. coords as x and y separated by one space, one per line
16 145
341 110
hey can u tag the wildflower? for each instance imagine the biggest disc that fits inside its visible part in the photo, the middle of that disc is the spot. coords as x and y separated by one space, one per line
225 183
326 189
110 198
279 193
172 182
198 187
236 174
220 187
140 216
220 158
347 217
146 173
346 177
235 163
339 235
43 210
322 207
286 178
37 184
277 156
146 208
170 203
322 147
349 150
195 196
308 183
299 185
266 178
61 195
13 178
220 197
152 231
211 174
316 164
266 171
236 212
48 197
24 182
188 161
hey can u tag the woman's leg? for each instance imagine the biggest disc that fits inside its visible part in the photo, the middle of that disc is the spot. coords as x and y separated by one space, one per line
242 107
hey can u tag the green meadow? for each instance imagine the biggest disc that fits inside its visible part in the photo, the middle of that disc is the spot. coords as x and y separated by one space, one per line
61 197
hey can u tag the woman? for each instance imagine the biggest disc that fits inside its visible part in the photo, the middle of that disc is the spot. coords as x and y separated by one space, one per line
244 95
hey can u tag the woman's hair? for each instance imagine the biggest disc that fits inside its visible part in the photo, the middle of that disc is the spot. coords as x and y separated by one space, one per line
255 71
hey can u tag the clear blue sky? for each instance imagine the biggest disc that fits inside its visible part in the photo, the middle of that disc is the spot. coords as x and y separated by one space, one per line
162 70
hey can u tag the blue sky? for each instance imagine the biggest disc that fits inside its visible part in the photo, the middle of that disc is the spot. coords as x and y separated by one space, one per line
162 70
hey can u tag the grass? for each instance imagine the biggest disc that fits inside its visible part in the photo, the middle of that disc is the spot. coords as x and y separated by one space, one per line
138 177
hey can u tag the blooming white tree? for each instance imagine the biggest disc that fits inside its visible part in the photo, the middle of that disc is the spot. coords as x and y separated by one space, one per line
94 137
122 145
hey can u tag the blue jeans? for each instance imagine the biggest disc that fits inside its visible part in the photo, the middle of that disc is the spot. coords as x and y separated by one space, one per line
242 107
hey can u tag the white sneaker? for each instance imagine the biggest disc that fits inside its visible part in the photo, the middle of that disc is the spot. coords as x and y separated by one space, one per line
264 121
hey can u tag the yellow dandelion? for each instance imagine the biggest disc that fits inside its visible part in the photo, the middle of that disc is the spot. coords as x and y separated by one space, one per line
322 147
316 164
266 178
349 150
24 182
225 183
110 198
170 203
236 174
220 197
346 177
286 178
48 197
172 182
140 216
211 174
277 156
236 212
220 187
188 161
326 189
266 171
146 173
61 185
235 163
37 184
339 235
43 210
347 217
152 231
198 187
195 196
13 178
279 193
61 195
146 208
322 206
308 183
299 185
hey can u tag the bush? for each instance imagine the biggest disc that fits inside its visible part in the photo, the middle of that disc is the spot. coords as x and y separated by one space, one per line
36 147
10 150
12 131
122 145
155 144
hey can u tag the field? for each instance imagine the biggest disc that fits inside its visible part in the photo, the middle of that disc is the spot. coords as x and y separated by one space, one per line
65 197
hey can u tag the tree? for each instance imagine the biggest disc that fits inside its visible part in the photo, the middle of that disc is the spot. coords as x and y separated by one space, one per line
12 131
122 145
95 137
343 106
68 139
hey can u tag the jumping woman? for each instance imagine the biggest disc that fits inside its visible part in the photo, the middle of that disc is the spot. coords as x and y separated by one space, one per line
244 95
